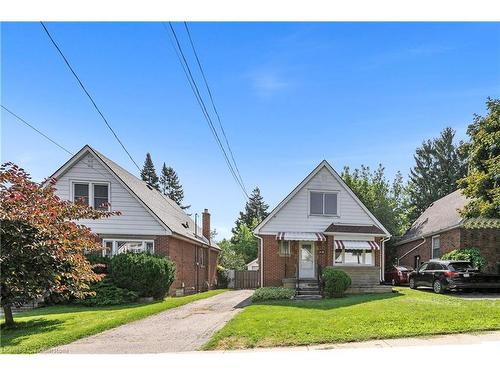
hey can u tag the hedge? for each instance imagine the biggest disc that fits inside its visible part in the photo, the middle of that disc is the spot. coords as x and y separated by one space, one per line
272 293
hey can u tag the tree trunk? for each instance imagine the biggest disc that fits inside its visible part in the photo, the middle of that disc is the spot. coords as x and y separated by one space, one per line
9 319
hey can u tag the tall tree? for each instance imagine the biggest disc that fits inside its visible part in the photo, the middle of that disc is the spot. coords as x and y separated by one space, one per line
229 258
384 199
482 183
438 166
171 186
255 209
42 247
148 172
244 242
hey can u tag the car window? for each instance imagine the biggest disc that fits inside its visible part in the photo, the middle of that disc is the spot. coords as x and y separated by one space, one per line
460 267
431 267
423 267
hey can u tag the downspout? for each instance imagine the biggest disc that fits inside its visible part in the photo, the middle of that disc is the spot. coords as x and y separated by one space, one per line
261 258
382 259
196 252
409 251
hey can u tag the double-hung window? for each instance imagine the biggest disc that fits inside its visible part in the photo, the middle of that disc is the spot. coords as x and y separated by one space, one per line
351 257
323 203
284 248
436 247
95 195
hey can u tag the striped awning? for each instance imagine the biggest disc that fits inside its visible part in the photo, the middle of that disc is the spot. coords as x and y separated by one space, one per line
356 245
300 236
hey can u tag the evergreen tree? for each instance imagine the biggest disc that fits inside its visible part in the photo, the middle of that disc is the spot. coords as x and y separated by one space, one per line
438 166
482 184
171 186
255 209
148 173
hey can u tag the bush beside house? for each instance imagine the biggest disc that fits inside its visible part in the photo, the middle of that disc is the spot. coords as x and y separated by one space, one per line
472 255
147 275
335 281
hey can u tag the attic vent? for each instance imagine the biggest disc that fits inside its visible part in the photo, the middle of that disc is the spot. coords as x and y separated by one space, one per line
185 225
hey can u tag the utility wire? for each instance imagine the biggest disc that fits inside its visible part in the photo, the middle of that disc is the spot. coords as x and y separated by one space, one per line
199 98
88 94
35 129
213 103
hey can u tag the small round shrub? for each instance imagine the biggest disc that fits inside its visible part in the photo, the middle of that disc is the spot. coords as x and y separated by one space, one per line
336 282
472 255
147 275
272 293
107 294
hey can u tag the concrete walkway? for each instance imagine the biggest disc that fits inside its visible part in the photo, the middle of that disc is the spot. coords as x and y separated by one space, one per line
184 328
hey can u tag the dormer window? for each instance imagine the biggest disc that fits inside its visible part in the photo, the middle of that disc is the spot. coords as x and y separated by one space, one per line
323 203
94 194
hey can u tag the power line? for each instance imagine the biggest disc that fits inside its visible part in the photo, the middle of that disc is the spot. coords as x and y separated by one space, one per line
35 129
88 94
199 98
213 103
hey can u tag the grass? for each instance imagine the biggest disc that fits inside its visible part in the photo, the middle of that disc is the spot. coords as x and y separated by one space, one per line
355 318
43 328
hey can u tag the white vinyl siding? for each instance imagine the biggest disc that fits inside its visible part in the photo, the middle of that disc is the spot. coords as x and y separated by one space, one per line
295 216
134 219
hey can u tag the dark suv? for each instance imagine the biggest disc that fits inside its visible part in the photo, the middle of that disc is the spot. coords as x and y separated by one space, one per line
442 275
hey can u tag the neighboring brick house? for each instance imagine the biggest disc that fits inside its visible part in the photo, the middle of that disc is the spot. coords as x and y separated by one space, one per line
440 229
321 223
149 220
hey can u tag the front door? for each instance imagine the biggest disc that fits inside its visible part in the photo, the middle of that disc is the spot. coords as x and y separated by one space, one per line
306 260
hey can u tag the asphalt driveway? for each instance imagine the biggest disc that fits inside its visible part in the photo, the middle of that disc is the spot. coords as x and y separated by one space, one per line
184 328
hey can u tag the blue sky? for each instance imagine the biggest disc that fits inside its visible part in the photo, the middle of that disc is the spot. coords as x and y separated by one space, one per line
289 94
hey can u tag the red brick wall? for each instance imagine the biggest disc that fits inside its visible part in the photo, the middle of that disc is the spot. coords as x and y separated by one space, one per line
449 241
183 254
486 240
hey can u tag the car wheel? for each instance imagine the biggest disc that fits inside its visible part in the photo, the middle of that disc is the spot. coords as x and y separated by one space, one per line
412 283
437 286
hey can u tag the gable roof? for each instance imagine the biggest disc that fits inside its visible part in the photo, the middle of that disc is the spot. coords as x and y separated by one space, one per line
323 164
164 209
439 216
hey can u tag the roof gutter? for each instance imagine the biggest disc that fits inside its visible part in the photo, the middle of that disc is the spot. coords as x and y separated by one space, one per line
409 251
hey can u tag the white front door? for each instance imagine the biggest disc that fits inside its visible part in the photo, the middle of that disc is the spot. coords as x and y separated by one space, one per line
306 260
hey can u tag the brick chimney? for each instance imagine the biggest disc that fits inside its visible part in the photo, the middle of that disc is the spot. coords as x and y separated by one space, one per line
205 222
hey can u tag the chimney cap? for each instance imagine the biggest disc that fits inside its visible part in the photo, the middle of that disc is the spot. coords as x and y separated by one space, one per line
205 211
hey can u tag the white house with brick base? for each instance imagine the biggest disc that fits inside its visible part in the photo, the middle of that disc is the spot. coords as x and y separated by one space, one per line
149 221
321 223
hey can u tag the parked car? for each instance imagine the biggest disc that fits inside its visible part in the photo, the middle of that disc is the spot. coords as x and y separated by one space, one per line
397 275
443 275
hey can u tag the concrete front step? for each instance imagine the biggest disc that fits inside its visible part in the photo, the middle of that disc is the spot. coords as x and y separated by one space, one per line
301 292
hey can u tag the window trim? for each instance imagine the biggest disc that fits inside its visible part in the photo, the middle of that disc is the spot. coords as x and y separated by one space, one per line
114 247
433 248
91 191
324 192
281 253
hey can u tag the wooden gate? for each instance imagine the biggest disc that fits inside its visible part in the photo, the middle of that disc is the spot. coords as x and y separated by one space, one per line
246 279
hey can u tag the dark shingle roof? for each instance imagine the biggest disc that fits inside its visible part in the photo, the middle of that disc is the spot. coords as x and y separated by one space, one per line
440 215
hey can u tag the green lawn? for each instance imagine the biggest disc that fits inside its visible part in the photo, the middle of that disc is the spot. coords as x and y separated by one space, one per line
355 318
47 327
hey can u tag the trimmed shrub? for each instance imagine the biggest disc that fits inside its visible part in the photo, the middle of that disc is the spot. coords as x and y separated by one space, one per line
272 293
472 255
146 274
107 294
336 282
